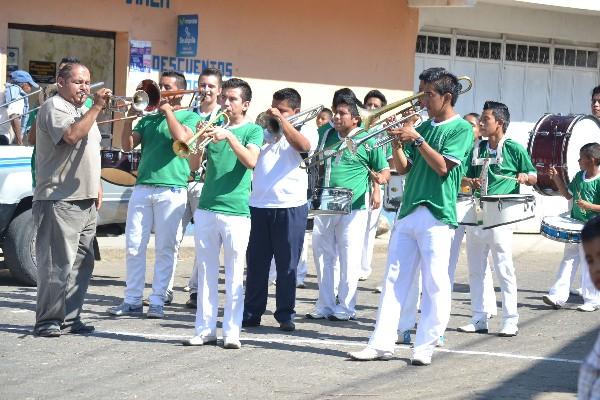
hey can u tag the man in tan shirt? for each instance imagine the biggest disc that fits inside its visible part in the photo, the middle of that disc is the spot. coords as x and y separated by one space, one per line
65 200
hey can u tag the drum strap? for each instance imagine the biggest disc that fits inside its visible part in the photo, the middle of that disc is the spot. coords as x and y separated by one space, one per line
484 176
479 161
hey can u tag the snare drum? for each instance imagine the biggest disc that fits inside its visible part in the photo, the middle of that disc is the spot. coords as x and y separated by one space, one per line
562 228
504 209
555 141
118 167
465 209
394 191
330 201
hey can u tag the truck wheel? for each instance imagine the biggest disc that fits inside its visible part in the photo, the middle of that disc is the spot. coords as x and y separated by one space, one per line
19 249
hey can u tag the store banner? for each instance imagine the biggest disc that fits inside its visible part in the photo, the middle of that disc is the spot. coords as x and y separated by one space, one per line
187 35
140 56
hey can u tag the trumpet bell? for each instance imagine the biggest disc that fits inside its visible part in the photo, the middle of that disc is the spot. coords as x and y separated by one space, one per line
152 91
140 101
181 149
269 123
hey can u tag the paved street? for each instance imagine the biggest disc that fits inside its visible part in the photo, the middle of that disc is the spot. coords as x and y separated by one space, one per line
129 358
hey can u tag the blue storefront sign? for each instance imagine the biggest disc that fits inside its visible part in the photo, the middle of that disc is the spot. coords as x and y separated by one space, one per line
187 35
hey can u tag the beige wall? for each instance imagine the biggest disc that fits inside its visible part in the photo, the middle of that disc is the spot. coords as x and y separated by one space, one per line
314 46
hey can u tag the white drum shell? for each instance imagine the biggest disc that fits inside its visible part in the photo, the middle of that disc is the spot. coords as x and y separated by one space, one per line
506 209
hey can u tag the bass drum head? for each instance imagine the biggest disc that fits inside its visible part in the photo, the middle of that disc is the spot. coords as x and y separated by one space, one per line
585 130
118 177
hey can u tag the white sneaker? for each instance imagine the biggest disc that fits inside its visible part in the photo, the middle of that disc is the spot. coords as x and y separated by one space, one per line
477 327
316 314
371 354
232 343
421 360
552 301
587 307
508 330
199 340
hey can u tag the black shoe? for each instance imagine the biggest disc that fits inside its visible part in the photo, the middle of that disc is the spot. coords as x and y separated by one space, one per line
250 323
50 332
192 301
78 328
287 326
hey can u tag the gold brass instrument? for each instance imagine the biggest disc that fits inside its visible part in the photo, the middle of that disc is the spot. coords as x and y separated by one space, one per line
273 125
368 118
184 149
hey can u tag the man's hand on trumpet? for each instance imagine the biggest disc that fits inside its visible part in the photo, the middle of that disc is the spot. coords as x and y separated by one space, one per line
218 133
101 97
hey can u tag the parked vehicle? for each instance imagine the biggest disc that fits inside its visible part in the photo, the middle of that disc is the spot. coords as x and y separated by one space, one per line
17 235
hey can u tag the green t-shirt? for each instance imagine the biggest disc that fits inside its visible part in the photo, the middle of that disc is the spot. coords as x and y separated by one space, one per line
589 190
515 160
226 187
350 171
159 165
453 139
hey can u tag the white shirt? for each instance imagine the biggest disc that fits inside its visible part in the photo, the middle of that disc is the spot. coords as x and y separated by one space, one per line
14 108
278 181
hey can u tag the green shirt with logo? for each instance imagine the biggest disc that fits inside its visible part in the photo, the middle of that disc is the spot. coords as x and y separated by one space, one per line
453 139
159 166
349 171
227 183
515 160
587 190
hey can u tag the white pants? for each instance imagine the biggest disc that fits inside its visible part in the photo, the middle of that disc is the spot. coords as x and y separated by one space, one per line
418 236
211 231
588 291
193 196
301 270
499 241
162 208
567 271
338 236
489 295
367 255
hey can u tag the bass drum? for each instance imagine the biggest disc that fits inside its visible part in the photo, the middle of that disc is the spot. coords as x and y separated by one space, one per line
555 141
394 191
118 167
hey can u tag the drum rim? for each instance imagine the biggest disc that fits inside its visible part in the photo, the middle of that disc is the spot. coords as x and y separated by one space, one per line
498 197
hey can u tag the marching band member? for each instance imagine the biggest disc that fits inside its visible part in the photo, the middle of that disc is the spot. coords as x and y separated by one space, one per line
210 81
584 190
343 235
559 292
421 234
223 217
278 214
512 161
65 200
324 117
373 99
158 198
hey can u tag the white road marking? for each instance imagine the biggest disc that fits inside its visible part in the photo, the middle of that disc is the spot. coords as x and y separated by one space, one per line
340 343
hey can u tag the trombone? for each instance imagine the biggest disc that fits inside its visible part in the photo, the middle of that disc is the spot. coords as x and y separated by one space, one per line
273 124
38 90
47 94
368 119
184 149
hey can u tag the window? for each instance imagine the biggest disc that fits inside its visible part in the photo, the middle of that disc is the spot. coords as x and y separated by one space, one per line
445 46
461 48
421 43
432 44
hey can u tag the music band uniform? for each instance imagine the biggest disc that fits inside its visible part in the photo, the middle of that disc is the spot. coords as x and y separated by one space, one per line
512 160
343 235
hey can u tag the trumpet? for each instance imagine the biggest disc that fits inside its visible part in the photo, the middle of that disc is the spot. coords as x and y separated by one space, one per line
273 124
368 119
184 149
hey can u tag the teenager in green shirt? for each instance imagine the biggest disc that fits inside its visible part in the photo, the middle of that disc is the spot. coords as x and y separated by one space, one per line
223 217
158 199
509 159
429 156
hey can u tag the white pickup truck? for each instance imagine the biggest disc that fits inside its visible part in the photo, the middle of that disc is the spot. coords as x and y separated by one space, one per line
17 236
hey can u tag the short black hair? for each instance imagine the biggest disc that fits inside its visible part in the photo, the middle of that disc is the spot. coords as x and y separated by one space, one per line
340 93
591 150
377 94
595 91
65 71
474 115
290 95
327 111
179 78
213 72
234 83
352 103
443 81
591 230
499 111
